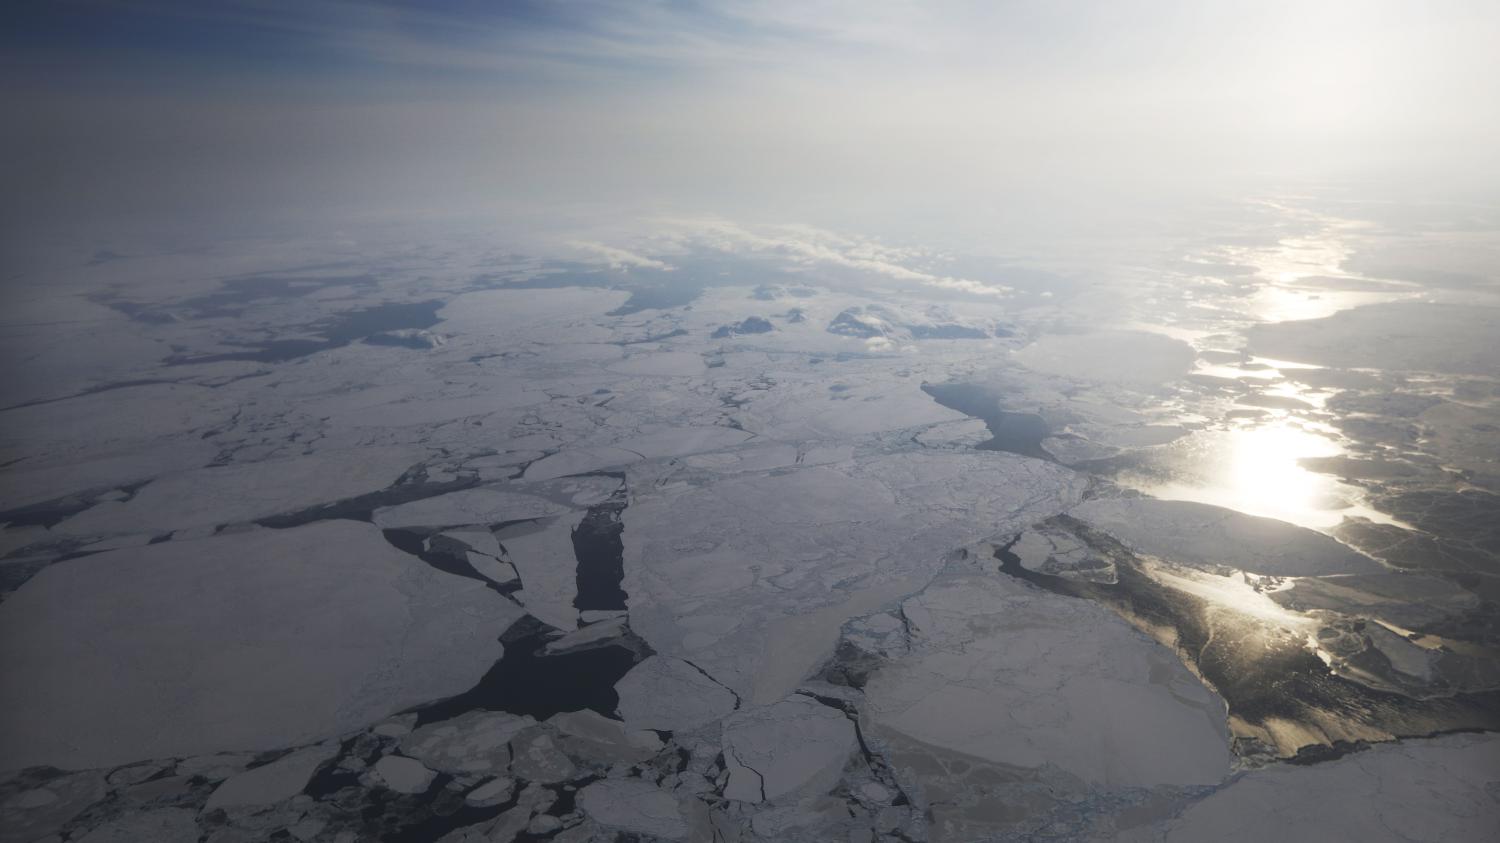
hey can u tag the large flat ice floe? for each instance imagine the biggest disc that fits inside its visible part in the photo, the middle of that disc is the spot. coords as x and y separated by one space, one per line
234 494
1005 673
1438 790
750 577
1130 357
634 806
779 749
254 640
672 695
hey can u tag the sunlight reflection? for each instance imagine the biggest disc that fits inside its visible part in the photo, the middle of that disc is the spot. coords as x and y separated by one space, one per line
1316 397
1277 303
1264 475
1234 592
1256 470
1303 277
1218 370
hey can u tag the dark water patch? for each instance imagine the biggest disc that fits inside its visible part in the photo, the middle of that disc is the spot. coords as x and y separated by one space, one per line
600 551
14 573
649 289
1141 463
658 289
446 812
50 513
662 297
137 311
336 331
1263 674
565 795
376 813
555 276
392 316
499 526
330 777
1016 433
238 294
851 666
362 507
414 543
524 681
235 296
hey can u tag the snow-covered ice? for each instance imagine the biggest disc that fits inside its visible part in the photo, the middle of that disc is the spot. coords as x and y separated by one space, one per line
256 640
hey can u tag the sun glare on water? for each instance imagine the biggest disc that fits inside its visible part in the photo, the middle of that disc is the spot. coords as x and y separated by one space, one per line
1264 475
1256 469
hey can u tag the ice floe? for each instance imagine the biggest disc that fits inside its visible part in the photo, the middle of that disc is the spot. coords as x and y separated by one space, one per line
258 640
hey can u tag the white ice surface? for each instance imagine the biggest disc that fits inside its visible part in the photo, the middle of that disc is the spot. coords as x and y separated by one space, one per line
1127 357
542 554
1004 672
403 775
270 783
635 806
1438 790
236 493
751 577
789 747
256 640
671 695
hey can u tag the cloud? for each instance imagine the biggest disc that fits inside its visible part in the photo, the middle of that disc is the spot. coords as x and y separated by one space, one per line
619 258
812 246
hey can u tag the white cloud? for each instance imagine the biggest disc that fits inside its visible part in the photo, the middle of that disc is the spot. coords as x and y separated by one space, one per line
619 258
813 246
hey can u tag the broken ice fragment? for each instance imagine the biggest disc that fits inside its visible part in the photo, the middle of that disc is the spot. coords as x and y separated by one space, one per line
269 783
671 695
477 742
404 775
635 806
793 745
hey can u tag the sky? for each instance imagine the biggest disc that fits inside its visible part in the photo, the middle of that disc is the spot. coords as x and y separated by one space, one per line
230 114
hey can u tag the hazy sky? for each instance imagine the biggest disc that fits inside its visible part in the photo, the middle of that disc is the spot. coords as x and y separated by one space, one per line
227 112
